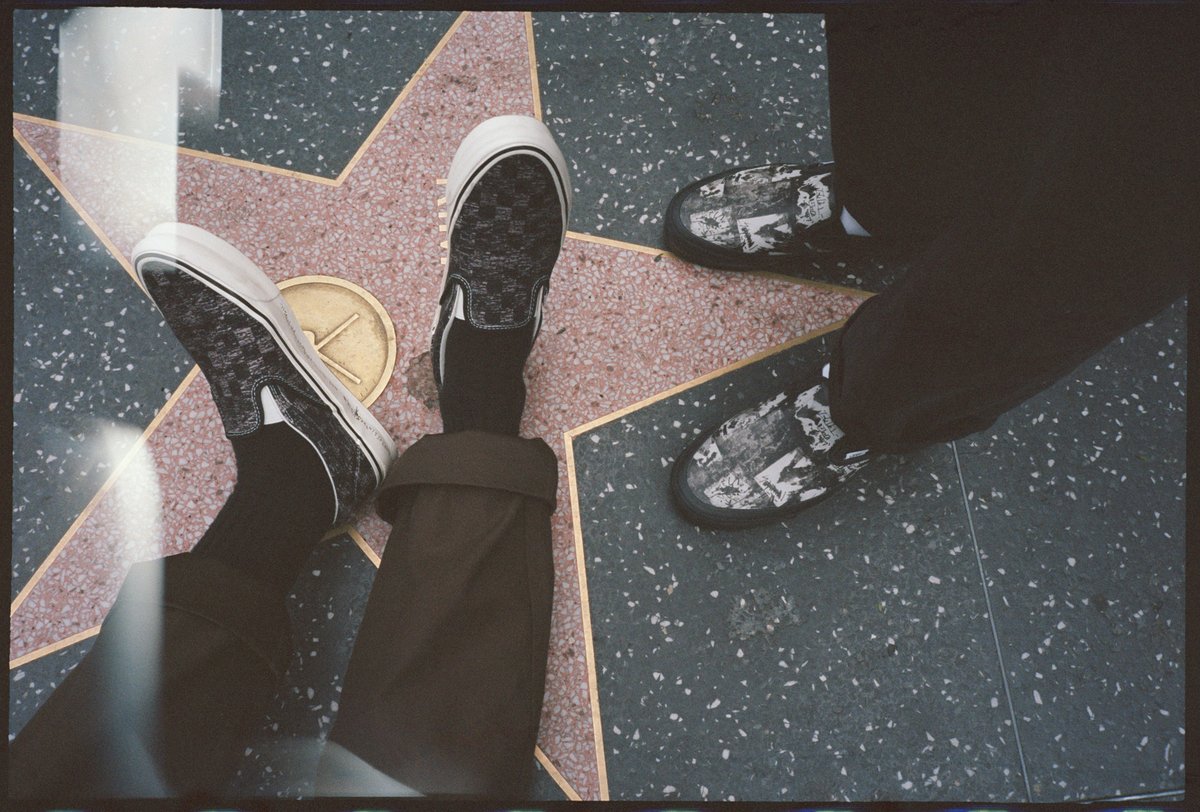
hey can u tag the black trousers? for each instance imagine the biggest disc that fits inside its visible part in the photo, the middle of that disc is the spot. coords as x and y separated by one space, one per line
444 688
1042 162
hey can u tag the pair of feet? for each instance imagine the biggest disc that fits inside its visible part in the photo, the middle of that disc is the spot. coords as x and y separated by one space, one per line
507 196
785 454
508 199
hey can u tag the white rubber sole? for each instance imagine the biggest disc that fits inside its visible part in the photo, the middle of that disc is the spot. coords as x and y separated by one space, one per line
220 266
499 137
493 140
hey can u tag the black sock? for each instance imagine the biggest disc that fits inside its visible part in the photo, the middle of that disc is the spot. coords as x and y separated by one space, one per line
483 387
280 508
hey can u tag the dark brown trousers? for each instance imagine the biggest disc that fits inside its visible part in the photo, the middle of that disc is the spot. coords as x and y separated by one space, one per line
444 688
1043 161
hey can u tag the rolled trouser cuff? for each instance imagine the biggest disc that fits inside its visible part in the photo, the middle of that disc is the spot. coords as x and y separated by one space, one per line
473 458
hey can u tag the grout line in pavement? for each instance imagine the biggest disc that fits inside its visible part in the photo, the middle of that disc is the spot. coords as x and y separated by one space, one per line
992 622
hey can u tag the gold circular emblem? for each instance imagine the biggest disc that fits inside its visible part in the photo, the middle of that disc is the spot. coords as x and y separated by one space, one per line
350 329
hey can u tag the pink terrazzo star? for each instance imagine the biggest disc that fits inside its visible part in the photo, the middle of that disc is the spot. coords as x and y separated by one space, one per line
623 323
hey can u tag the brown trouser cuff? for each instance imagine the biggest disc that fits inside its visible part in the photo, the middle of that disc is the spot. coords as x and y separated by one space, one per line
474 458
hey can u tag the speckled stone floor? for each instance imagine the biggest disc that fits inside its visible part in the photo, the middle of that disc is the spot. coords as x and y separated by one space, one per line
998 619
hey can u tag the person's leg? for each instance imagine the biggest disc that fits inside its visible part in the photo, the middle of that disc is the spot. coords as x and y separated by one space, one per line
1098 237
188 657
193 648
930 110
1092 235
444 689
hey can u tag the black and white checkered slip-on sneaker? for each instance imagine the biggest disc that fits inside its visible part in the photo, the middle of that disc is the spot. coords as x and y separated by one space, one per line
767 462
760 218
233 321
507 201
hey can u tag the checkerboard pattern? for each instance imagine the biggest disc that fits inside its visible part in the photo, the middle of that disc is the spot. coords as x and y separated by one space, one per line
505 241
238 357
